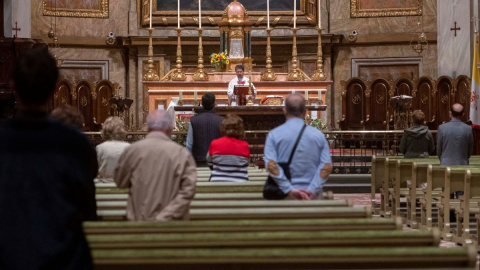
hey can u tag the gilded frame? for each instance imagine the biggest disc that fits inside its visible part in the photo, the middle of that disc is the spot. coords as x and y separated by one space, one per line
101 12
307 9
357 12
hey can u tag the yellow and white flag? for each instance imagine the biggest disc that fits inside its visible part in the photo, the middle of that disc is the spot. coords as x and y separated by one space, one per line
474 101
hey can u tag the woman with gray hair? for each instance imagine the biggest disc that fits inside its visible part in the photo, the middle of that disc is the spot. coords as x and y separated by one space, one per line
108 152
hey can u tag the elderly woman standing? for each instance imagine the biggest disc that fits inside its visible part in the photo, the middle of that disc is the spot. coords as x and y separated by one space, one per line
108 152
229 156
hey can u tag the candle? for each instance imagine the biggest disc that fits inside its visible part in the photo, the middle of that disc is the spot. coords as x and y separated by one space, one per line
178 14
180 95
319 15
294 13
195 95
150 13
200 14
306 94
268 14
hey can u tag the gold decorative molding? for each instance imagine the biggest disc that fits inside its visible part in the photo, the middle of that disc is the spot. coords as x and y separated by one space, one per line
356 10
50 10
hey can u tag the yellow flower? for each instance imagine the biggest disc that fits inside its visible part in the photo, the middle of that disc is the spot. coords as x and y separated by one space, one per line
223 55
215 56
217 60
211 61
227 62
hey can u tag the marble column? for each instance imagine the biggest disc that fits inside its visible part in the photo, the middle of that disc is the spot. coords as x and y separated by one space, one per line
19 12
454 53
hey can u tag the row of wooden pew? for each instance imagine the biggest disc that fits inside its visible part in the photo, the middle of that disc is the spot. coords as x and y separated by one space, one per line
428 185
232 229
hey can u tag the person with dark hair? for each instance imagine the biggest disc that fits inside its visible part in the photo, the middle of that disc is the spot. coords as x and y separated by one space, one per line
46 184
69 115
239 80
454 139
229 156
311 163
203 129
160 174
417 140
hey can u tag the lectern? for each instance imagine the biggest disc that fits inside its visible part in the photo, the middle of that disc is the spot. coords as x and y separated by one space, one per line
401 111
240 92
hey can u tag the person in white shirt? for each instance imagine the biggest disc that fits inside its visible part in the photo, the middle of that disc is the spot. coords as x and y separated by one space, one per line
239 80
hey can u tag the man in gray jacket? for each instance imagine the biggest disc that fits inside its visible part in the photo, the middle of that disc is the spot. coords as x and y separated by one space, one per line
417 140
454 139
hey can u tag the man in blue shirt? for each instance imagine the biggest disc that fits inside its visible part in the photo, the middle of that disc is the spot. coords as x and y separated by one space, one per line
311 164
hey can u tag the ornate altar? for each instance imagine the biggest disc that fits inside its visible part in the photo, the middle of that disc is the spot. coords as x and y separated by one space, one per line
254 117
235 35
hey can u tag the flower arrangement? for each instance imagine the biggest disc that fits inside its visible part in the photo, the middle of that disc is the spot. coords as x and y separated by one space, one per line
219 59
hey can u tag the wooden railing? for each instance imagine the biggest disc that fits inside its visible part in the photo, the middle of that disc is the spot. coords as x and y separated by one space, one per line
351 151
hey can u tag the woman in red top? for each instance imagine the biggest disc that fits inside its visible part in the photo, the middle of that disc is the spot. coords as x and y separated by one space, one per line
228 156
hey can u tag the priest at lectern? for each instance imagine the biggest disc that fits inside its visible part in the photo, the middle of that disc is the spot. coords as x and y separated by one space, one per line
240 80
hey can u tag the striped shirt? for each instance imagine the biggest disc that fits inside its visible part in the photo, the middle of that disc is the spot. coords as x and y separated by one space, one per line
229 158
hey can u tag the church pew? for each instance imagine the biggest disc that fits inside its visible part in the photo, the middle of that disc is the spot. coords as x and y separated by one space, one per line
470 197
453 180
259 213
286 258
364 238
380 182
403 172
122 195
246 225
118 205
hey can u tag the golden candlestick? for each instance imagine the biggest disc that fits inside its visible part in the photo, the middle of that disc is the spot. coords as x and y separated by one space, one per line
200 74
294 74
318 75
269 74
178 74
151 73
250 96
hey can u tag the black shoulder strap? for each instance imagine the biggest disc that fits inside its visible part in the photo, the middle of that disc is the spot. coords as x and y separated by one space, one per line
296 143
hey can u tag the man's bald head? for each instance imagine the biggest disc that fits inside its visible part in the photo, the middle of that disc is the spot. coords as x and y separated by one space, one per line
160 120
456 110
295 105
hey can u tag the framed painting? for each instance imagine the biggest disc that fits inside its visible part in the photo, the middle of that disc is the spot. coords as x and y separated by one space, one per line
281 12
385 8
76 8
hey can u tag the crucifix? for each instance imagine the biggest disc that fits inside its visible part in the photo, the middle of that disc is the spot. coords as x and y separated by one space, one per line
16 29
455 29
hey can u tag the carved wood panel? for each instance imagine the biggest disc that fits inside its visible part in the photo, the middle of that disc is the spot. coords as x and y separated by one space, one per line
462 94
433 97
84 103
425 99
443 99
63 93
104 92
379 105
354 104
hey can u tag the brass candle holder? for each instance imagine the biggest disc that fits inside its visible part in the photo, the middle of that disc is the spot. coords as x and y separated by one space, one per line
269 74
318 75
200 74
294 74
151 73
178 74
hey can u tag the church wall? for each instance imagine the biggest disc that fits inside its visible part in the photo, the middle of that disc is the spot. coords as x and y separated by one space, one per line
117 22
341 23
379 37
